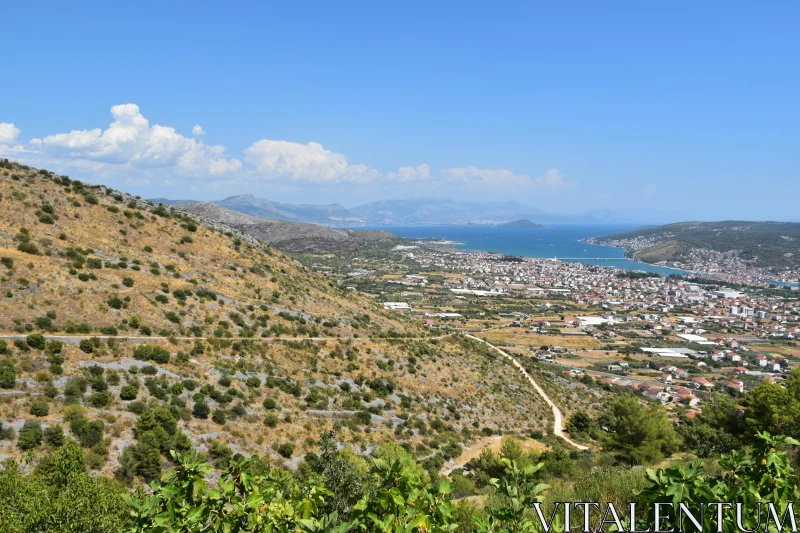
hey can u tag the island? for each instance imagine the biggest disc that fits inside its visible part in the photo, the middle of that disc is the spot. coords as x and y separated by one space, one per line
525 223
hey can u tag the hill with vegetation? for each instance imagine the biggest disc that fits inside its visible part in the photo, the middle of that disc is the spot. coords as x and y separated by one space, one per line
296 237
764 244
136 337
136 329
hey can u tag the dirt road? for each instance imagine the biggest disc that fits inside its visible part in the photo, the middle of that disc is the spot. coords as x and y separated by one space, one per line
558 425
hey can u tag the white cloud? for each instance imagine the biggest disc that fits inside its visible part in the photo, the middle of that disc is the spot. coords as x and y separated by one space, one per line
8 133
130 140
552 179
303 162
420 173
132 149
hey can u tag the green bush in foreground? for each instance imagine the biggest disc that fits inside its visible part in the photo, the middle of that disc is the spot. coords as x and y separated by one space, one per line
394 496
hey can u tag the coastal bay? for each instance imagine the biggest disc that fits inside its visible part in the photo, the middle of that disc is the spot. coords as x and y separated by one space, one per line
562 241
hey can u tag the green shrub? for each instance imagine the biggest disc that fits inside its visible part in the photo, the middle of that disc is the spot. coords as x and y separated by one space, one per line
8 374
28 248
90 433
129 392
128 282
43 322
218 417
54 436
89 345
100 399
36 341
201 410
54 348
285 449
149 370
146 352
30 436
39 408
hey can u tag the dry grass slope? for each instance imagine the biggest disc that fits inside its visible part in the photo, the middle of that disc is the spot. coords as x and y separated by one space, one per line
274 351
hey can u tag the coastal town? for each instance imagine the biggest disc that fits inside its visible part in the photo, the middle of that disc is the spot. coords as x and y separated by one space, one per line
674 340
731 266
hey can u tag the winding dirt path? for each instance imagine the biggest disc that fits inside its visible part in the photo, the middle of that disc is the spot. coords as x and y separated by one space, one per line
558 425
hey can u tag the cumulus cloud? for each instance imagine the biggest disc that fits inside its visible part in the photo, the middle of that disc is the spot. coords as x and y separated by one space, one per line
8 133
419 173
133 149
131 140
552 179
304 162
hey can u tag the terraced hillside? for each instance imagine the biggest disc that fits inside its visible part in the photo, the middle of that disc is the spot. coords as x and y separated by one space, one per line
137 329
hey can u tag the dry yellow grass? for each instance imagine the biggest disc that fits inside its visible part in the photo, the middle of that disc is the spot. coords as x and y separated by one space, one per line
450 382
522 337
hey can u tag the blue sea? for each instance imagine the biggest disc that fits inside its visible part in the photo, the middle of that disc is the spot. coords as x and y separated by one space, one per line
560 241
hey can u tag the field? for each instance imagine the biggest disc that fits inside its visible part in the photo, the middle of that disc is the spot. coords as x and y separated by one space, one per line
523 337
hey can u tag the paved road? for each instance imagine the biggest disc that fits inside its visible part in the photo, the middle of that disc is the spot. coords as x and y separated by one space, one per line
558 423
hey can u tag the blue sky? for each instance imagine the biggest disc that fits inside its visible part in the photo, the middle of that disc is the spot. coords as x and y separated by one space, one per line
659 111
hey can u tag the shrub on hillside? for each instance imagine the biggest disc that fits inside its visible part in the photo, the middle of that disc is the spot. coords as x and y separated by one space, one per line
201 410
219 416
30 436
39 408
54 436
129 392
146 352
36 341
8 374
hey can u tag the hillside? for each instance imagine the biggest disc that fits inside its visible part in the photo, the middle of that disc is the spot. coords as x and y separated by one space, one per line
135 329
294 236
766 245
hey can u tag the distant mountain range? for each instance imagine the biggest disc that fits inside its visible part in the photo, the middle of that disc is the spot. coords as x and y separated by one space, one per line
414 211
